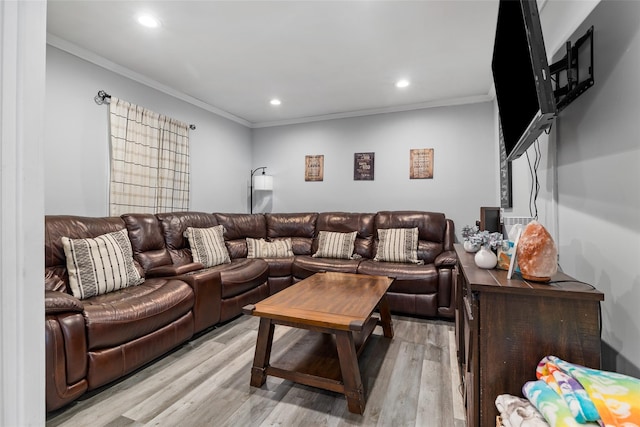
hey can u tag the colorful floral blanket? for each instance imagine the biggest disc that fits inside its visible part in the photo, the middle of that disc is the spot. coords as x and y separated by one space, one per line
572 395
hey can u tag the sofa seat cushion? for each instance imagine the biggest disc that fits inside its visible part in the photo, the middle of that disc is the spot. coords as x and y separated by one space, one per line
410 278
124 315
243 275
305 265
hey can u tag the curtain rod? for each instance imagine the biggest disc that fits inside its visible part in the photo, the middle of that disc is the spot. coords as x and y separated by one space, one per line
104 98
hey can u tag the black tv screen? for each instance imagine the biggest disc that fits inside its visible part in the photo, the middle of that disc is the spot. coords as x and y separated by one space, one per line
521 76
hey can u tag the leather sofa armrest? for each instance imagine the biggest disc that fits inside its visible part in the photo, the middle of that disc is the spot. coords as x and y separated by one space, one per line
173 270
207 289
60 302
446 259
66 358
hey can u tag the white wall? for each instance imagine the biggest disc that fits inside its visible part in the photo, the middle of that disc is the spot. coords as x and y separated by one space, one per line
22 82
77 144
465 163
599 178
595 184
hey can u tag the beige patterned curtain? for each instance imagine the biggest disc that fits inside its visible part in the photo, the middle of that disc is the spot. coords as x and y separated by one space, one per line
149 161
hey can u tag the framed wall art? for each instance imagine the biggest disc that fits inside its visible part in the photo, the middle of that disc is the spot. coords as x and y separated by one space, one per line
314 168
363 166
421 163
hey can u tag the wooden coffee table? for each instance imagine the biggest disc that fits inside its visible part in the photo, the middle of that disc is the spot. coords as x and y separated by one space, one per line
339 305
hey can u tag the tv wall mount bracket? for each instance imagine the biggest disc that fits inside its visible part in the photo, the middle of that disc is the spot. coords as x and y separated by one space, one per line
572 75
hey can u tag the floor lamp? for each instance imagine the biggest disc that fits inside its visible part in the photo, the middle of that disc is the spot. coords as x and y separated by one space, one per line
260 182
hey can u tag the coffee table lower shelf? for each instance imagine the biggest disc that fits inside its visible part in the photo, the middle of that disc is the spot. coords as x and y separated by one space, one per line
313 359
324 358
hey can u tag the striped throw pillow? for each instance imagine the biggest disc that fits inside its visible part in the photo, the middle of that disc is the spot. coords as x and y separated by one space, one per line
335 245
100 265
398 245
207 245
260 248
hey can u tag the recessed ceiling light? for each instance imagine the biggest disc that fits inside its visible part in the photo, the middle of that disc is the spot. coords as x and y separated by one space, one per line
275 101
402 83
148 21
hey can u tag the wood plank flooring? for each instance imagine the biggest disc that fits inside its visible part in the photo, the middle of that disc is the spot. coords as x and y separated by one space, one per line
411 380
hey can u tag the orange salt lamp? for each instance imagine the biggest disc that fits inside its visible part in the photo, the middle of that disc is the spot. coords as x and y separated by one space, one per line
537 254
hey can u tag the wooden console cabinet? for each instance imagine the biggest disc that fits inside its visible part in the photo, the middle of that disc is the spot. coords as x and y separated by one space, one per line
505 327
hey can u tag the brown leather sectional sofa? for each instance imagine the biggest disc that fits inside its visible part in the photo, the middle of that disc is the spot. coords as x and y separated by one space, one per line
92 342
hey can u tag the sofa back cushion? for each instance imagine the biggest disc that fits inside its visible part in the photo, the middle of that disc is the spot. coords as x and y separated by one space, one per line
299 227
432 227
75 227
238 227
346 222
147 240
174 225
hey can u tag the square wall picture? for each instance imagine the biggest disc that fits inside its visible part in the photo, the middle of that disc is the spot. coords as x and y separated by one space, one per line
314 167
421 163
363 166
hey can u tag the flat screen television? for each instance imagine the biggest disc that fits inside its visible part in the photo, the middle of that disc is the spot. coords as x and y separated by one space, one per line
526 103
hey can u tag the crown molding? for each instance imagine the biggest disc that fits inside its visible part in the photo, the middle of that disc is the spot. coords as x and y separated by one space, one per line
98 60
373 111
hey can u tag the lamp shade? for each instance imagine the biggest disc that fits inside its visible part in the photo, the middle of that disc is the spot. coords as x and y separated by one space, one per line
263 182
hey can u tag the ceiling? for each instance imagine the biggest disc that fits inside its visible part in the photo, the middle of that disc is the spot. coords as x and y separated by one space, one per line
322 59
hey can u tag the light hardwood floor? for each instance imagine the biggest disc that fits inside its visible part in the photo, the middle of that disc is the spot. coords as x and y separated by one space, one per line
411 380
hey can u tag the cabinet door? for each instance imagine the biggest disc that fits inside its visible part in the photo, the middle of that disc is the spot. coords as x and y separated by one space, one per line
470 397
471 357
459 317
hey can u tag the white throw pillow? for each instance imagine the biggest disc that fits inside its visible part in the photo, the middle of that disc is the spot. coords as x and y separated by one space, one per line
335 245
259 248
398 245
207 245
100 265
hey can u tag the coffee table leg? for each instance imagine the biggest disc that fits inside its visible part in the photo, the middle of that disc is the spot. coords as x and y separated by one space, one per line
263 353
385 317
350 371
